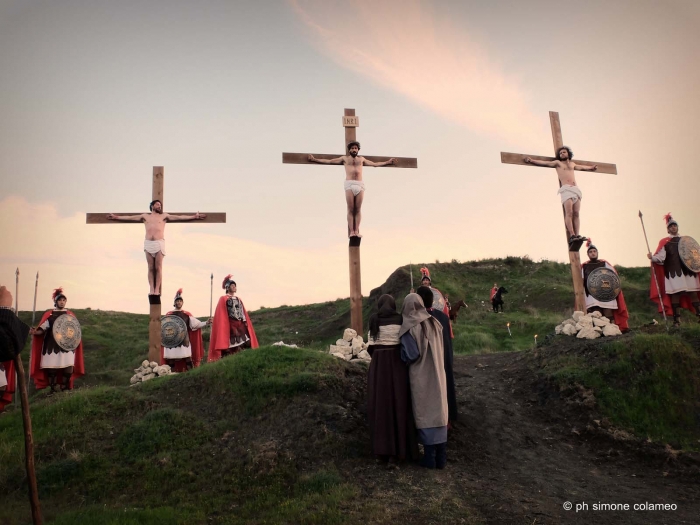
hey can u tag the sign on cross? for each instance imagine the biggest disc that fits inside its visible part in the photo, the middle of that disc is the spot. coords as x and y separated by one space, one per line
520 159
350 123
154 300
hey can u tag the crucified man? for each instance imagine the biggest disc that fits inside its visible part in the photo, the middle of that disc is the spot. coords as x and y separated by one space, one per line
354 187
570 193
154 243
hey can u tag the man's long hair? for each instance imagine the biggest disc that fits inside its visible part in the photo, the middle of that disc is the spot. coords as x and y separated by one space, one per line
567 148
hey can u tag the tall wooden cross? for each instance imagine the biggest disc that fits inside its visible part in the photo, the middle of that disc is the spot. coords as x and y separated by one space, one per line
574 258
154 300
350 123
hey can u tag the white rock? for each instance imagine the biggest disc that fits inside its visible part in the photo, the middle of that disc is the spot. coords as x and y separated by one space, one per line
577 316
611 330
338 355
347 357
349 334
586 321
558 329
343 342
603 321
570 321
346 350
335 349
598 329
588 333
135 380
364 355
147 377
596 314
144 364
153 364
569 329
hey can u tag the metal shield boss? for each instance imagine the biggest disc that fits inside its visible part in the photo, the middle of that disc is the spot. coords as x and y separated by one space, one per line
173 331
689 251
66 332
603 284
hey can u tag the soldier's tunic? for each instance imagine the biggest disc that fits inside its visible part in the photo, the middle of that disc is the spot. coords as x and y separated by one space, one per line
185 350
677 278
237 322
591 301
52 355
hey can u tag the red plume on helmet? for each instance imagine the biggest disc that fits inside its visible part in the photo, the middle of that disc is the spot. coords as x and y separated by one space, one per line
425 273
670 220
227 279
56 293
588 242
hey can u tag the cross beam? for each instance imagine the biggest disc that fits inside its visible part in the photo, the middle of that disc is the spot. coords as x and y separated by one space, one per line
154 341
574 257
350 123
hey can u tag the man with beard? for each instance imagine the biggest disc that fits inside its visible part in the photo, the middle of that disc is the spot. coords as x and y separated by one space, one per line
231 330
50 363
570 193
679 285
190 353
154 243
354 187
616 310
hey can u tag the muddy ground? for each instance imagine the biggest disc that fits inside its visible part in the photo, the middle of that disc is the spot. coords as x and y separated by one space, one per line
519 451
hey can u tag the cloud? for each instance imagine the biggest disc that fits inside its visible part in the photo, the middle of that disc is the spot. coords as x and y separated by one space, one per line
405 46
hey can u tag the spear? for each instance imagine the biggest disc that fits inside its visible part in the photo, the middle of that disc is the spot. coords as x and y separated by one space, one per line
411 265
653 273
211 295
36 286
17 291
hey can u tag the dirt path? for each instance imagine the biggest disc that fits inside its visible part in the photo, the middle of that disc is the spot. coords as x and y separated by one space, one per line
518 455
513 459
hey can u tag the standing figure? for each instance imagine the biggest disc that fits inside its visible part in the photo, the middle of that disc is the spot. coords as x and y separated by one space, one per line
421 348
50 363
493 291
7 383
679 285
439 302
392 428
154 243
13 336
232 329
354 186
616 309
191 352
570 193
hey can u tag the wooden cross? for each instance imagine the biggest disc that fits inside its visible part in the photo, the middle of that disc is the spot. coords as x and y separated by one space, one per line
350 123
574 258
154 300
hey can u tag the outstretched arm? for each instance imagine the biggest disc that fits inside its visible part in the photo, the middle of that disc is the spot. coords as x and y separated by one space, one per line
125 218
197 216
543 163
578 167
390 162
337 160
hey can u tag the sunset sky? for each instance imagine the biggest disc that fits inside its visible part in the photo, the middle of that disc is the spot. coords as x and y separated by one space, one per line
94 93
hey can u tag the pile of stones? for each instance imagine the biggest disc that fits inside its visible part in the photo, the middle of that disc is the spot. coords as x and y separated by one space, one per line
351 347
588 326
150 370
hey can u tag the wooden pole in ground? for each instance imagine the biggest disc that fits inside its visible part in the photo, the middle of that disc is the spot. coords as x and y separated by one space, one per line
28 443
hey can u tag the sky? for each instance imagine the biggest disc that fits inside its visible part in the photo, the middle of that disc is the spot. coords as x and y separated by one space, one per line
94 93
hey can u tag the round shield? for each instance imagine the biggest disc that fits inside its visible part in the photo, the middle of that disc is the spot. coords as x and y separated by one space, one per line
603 284
438 300
689 250
173 331
66 332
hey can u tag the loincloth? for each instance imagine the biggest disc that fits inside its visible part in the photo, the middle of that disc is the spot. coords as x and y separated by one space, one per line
153 247
355 186
570 192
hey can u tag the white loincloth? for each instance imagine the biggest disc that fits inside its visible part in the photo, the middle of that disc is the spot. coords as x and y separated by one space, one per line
570 192
59 360
153 247
3 377
355 186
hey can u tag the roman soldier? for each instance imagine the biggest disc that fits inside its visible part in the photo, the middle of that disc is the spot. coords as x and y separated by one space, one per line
439 302
191 352
615 310
232 330
7 383
678 284
52 363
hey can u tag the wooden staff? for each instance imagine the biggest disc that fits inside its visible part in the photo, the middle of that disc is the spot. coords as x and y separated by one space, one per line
36 286
653 273
211 295
17 291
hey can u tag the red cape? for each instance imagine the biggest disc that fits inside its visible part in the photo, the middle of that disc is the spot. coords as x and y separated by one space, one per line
41 380
195 341
658 269
6 397
220 331
621 315
493 292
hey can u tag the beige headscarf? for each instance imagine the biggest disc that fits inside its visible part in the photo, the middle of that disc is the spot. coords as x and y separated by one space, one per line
413 311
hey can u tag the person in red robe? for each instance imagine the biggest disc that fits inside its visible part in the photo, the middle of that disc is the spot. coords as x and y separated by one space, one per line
50 364
679 286
439 301
615 310
7 383
191 352
232 330
494 290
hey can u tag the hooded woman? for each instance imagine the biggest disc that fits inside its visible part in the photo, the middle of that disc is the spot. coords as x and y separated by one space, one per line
422 349
391 425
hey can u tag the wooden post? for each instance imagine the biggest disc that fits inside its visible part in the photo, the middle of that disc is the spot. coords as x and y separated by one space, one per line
574 257
28 443
355 285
